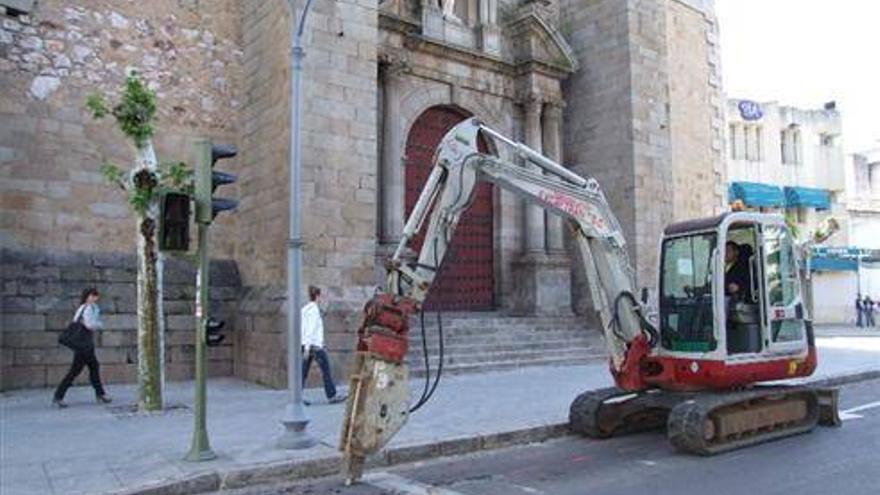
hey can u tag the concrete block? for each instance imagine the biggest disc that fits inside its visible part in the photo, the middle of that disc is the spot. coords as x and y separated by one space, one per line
17 305
23 322
180 322
14 377
120 321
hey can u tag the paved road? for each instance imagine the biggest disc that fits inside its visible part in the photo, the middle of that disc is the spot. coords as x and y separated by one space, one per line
841 461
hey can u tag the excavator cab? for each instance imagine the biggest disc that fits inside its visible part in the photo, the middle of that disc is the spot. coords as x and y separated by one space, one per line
730 296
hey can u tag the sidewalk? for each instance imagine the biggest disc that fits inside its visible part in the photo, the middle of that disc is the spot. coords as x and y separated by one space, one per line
90 448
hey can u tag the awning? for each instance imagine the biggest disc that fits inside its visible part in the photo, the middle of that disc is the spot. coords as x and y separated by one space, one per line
807 197
756 194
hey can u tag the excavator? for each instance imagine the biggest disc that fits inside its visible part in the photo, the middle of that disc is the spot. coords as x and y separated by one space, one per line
695 365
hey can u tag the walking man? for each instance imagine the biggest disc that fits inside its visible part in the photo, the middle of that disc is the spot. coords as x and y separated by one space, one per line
313 345
859 311
868 309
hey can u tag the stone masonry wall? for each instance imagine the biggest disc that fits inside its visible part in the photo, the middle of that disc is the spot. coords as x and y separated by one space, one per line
696 110
51 150
598 113
339 176
41 290
652 142
642 116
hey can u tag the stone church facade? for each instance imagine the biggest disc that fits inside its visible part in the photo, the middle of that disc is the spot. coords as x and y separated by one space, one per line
626 91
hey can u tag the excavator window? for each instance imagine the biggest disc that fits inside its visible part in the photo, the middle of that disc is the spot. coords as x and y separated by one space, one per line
782 285
686 293
742 306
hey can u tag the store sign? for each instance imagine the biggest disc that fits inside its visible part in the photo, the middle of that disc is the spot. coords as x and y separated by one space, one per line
848 253
750 110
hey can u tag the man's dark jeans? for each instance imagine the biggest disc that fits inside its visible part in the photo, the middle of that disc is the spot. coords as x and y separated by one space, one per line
324 363
80 361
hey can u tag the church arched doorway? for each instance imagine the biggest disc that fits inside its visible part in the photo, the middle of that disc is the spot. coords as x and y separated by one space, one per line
466 281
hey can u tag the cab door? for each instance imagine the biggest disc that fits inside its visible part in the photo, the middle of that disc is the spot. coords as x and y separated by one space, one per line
784 314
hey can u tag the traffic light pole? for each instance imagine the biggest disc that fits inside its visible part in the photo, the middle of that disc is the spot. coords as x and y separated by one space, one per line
201 447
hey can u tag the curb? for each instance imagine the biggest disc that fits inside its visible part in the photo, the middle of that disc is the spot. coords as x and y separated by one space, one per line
291 470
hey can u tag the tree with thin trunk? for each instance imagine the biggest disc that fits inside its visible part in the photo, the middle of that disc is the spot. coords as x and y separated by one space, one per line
135 114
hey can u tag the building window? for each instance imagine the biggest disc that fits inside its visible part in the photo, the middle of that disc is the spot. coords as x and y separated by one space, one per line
790 144
759 147
753 143
733 150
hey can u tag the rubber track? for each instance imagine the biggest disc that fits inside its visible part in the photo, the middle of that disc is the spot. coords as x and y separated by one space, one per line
584 411
685 423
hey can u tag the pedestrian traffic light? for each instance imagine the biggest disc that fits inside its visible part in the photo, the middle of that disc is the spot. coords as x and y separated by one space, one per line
213 337
208 180
174 224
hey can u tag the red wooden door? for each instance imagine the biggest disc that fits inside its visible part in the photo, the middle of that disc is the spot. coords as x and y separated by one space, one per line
466 279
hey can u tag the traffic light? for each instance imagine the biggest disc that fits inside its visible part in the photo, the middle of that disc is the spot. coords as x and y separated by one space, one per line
174 224
213 337
208 180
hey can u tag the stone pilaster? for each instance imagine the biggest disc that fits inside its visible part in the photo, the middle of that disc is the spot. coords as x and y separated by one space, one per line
392 185
542 282
552 124
535 236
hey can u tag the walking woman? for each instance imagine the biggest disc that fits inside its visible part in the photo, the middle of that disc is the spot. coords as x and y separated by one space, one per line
89 314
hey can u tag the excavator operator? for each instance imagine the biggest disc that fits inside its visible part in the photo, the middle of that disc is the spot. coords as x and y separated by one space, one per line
737 279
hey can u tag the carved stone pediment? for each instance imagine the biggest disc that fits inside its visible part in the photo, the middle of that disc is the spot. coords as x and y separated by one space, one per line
534 41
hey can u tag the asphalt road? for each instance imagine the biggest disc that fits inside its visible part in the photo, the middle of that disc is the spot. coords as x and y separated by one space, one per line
839 461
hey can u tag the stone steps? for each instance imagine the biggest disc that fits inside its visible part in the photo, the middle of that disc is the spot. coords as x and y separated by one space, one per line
489 342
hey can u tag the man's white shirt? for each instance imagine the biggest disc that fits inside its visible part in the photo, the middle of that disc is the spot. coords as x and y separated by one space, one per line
312 326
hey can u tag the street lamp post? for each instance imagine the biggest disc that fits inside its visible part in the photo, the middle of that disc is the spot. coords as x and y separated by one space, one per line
294 419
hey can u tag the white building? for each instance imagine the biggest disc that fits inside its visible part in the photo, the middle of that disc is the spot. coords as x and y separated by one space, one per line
790 160
863 208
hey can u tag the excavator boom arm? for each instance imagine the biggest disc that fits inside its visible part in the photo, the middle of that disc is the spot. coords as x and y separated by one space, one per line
377 405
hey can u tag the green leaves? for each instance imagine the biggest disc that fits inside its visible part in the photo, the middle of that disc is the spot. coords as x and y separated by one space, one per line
96 104
178 177
135 113
792 224
113 175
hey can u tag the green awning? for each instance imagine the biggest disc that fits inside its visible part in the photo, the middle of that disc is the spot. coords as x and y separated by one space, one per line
756 194
807 197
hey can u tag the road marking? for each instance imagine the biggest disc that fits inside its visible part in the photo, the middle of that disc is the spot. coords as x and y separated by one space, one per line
849 413
403 486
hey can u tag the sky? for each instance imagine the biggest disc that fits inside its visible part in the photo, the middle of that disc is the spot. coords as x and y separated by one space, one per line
805 53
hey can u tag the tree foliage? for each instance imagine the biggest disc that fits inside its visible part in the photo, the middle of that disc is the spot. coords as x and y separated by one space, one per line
135 113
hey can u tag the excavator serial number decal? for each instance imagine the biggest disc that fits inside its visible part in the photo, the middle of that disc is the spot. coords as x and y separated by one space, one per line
573 207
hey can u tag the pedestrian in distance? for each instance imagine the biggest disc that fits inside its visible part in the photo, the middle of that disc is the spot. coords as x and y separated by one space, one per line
89 315
868 309
860 311
313 345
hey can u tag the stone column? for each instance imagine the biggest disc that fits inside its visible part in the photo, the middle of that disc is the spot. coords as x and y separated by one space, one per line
489 33
535 238
392 182
542 283
552 149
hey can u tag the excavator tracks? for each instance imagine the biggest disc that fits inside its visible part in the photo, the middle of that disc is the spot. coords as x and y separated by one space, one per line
609 411
705 423
709 424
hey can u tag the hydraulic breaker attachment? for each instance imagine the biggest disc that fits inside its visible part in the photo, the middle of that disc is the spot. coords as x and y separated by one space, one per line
378 400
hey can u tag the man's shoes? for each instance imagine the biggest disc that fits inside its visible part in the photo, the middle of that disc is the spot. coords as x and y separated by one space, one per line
336 399
59 403
104 399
